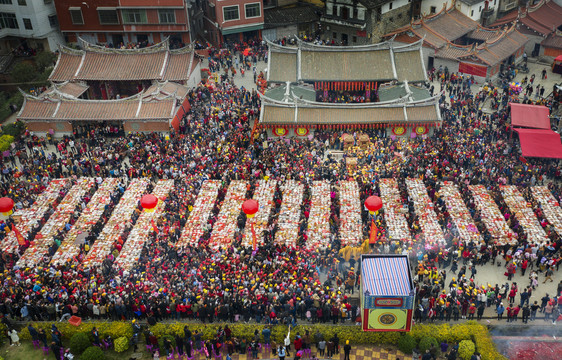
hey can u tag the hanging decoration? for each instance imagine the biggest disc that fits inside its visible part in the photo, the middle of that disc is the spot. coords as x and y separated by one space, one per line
301 131
399 130
279 131
421 130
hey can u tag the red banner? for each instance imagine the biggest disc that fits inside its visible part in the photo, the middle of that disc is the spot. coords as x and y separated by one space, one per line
19 236
473 69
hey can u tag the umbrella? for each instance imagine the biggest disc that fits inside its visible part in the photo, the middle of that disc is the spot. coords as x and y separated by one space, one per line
247 51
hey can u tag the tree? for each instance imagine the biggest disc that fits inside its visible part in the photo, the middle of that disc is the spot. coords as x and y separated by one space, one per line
23 72
44 60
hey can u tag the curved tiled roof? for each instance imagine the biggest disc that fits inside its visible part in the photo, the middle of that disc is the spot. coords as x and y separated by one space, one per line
376 62
97 63
313 113
132 108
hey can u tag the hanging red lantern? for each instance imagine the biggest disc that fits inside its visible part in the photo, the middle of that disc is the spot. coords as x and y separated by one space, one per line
6 206
149 202
373 204
250 208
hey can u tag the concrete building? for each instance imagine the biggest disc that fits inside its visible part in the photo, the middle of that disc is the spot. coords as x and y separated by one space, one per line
482 11
542 25
364 21
232 20
293 18
138 90
123 22
453 40
28 24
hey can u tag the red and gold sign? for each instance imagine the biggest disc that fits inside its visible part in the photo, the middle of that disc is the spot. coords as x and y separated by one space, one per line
421 130
388 302
280 131
399 130
301 131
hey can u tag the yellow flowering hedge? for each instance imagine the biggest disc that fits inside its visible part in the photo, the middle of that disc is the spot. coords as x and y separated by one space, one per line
454 334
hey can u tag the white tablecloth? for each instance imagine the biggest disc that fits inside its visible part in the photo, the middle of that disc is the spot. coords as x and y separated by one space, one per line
550 207
88 218
30 217
265 190
459 213
351 226
114 227
423 206
524 214
491 216
226 225
197 222
319 217
57 221
396 223
131 251
289 215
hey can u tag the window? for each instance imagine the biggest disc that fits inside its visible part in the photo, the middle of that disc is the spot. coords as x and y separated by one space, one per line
22 3
432 10
6 2
354 39
480 9
230 13
76 16
355 13
53 21
390 6
167 16
27 24
108 17
335 35
47 2
471 13
134 16
8 21
252 10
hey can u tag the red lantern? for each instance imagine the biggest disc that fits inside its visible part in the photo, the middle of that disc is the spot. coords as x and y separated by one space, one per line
250 208
149 202
373 203
6 206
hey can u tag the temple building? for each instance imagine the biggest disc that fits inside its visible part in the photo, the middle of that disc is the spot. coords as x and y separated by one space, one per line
378 86
138 90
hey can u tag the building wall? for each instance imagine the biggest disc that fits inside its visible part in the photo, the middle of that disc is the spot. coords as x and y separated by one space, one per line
427 5
195 77
42 35
149 126
242 21
95 31
388 21
473 11
43 127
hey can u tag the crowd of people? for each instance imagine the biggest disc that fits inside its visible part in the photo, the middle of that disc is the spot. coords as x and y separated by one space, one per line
281 283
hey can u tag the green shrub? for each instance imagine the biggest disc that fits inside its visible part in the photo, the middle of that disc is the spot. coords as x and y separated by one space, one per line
466 349
79 342
428 343
442 333
92 353
6 142
161 348
14 129
121 344
406 343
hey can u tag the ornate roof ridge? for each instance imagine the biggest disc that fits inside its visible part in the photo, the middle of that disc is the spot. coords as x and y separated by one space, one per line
156 48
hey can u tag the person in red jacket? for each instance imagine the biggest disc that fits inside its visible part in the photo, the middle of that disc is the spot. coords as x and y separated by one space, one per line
298 343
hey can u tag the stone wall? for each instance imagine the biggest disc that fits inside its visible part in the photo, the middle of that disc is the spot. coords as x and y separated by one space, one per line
389 21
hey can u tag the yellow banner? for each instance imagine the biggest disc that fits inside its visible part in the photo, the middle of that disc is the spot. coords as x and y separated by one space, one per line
388 319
